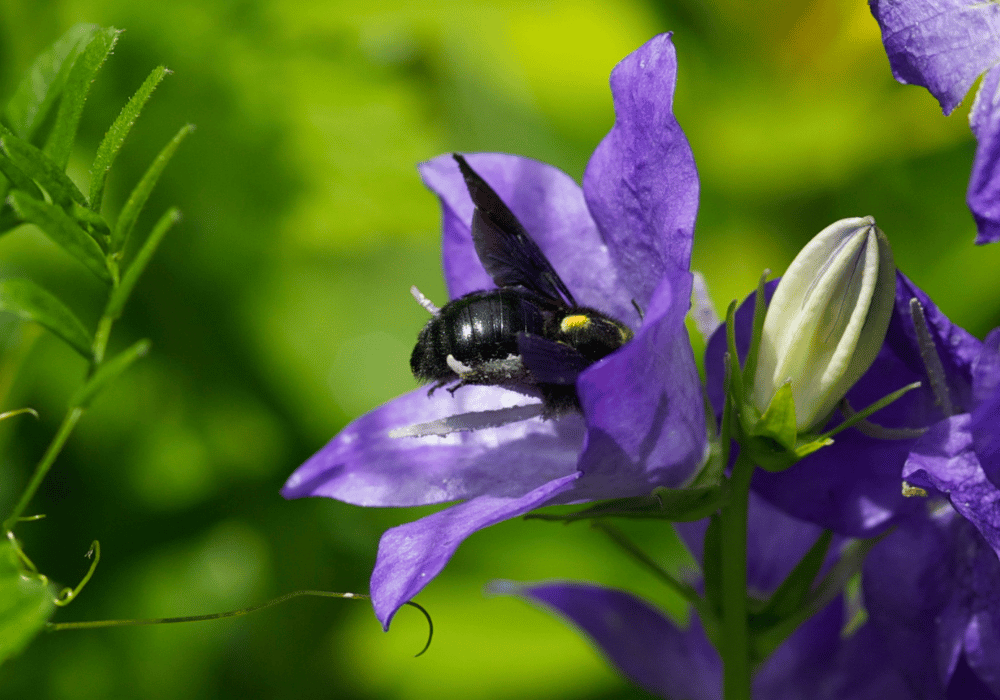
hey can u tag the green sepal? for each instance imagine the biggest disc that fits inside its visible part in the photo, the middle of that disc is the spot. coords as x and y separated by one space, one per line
137 198
732 357
109 371
63 231
778 421
38 166
59 143
29 301
41 87
121 294
26 602
759 312
115 137
675 505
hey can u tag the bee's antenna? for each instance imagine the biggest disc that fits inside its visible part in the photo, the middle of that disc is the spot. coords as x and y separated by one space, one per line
424 301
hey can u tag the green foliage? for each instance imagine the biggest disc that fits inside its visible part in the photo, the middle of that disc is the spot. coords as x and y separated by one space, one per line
32 303
27 601
39 191
115 138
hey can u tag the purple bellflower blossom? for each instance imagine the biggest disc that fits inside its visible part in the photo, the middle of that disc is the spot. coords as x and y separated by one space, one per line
944 45
930 586
626 235
816 661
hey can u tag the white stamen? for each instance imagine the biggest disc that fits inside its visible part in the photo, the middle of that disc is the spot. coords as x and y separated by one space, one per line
424 301
706 319
467 422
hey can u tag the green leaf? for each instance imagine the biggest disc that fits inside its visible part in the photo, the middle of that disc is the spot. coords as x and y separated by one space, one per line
42 86
16 177
794 591
115 137
26 602
43 170
676 505
60 141
63 231
137 198
108 372
120 295
31 302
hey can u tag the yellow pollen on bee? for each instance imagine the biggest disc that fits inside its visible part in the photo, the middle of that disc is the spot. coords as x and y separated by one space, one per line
574 322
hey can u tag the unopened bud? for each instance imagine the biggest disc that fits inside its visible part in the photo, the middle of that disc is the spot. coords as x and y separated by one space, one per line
827 319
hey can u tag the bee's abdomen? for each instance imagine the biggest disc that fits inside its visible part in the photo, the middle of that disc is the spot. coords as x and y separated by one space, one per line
475 328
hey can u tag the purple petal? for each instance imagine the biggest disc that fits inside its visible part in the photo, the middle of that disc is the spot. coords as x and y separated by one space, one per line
931 594
944 459
637 638
984 185
641 183
550 205
365 466
644 409
943 45
411 555
982 637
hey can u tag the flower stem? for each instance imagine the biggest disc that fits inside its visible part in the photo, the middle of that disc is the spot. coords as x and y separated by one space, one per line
55 447
735 637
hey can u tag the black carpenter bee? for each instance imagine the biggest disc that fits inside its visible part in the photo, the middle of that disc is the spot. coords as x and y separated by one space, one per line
529 331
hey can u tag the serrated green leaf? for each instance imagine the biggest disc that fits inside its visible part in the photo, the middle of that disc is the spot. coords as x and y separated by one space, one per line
60 141
108 372
120 295
675 505
63 231
29 301
115 137
137 198
39 90
43 170
26 602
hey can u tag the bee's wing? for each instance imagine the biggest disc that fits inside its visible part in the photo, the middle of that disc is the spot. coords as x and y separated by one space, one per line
504 247
550 362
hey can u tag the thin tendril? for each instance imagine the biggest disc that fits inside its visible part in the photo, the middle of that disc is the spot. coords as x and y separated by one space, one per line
95 624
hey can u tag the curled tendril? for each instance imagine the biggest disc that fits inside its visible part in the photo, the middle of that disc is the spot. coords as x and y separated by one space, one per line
67 595
94 624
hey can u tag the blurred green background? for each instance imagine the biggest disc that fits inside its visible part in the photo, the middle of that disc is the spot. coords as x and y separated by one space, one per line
279 307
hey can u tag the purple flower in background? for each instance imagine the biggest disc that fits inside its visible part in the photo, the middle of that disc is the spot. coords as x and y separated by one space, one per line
932 597
626 235
853 487
944 45
652 651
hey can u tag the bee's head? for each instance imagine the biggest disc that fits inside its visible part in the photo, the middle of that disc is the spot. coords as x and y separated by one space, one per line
593 334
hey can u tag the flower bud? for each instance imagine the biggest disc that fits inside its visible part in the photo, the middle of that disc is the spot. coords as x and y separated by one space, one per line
827 319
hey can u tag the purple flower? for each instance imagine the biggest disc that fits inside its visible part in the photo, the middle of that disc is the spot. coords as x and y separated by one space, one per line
853 487
626 235
944 45
932 596
653 652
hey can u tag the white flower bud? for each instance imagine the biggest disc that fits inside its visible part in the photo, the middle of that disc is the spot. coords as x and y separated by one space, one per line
827 319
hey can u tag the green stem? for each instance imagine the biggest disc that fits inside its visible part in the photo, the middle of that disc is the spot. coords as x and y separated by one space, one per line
55 447
735 638
101 342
